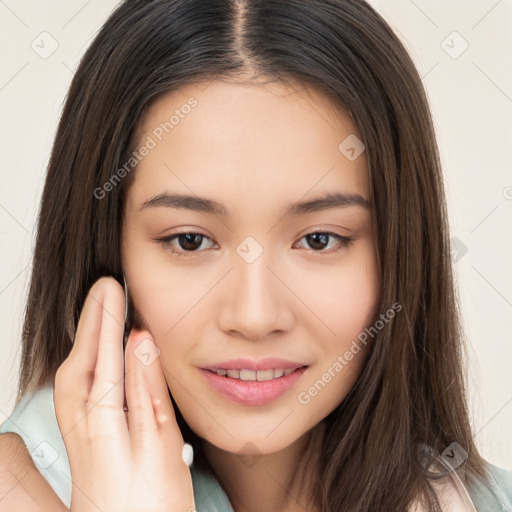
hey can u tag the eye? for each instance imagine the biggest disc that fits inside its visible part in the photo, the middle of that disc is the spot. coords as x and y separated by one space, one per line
187 242
319 240
190 242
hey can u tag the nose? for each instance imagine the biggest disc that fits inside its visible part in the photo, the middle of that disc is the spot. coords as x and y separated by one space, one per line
257 302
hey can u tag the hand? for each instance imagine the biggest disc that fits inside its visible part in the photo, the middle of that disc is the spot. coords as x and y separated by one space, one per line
119 461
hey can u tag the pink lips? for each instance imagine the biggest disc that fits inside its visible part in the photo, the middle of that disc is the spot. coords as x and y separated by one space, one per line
253 392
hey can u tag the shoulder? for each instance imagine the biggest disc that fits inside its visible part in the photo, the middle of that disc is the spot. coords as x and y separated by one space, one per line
13 452
495 493
33 424
22 487
503 481
504 476
10 443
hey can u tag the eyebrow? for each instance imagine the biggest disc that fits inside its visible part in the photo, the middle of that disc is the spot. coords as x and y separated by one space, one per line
205 205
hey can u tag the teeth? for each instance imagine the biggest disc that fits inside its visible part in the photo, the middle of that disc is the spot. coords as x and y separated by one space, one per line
260 375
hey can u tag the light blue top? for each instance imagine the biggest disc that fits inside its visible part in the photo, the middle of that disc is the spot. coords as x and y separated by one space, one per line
35 421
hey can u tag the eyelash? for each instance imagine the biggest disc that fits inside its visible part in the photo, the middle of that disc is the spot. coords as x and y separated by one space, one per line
343 241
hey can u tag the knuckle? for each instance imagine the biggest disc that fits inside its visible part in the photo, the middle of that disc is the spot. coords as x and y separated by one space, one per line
62 369
101 423
61 378
102 409
105 390
64 384
101 406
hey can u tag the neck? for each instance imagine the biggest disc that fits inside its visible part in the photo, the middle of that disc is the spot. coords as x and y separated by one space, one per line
273 481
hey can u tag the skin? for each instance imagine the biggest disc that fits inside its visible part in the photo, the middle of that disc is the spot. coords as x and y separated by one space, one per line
119 461
22 486
255 149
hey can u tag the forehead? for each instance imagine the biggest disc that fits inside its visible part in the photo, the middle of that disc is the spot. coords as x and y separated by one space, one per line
266 139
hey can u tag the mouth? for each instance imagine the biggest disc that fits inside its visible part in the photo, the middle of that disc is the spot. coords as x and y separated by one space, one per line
252 375
249 387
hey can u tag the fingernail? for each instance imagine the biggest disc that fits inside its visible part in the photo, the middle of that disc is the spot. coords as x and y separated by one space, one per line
187 454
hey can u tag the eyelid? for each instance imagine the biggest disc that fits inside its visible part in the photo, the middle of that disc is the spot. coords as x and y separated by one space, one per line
165 241
343 241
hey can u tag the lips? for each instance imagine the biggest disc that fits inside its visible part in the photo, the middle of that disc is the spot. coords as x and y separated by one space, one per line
268 363
252 393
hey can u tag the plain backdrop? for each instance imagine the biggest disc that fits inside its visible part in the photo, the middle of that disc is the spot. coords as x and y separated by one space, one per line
462 50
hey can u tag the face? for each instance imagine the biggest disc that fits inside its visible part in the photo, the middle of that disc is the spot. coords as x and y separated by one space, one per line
240 273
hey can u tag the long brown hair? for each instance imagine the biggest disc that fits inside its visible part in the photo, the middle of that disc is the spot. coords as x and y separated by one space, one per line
411 391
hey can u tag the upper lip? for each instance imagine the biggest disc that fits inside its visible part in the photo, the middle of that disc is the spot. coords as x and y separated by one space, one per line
243 363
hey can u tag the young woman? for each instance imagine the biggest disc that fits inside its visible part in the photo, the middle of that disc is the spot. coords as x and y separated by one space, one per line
251 190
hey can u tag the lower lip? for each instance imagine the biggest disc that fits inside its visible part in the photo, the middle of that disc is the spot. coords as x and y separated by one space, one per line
253 392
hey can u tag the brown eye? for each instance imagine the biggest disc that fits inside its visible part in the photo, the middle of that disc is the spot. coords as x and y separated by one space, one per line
186 242
182 243
319 240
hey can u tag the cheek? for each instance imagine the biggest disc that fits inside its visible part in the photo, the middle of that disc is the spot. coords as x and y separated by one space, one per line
351 307
344 297
171 303
161 290
343 349
170 315
359 294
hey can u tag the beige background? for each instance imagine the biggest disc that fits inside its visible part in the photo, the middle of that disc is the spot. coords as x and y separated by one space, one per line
462 49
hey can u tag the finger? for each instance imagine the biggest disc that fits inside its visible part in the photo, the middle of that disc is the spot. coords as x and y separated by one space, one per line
106 419
84 352
157 385
73 380
141 419
109 375
165 418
